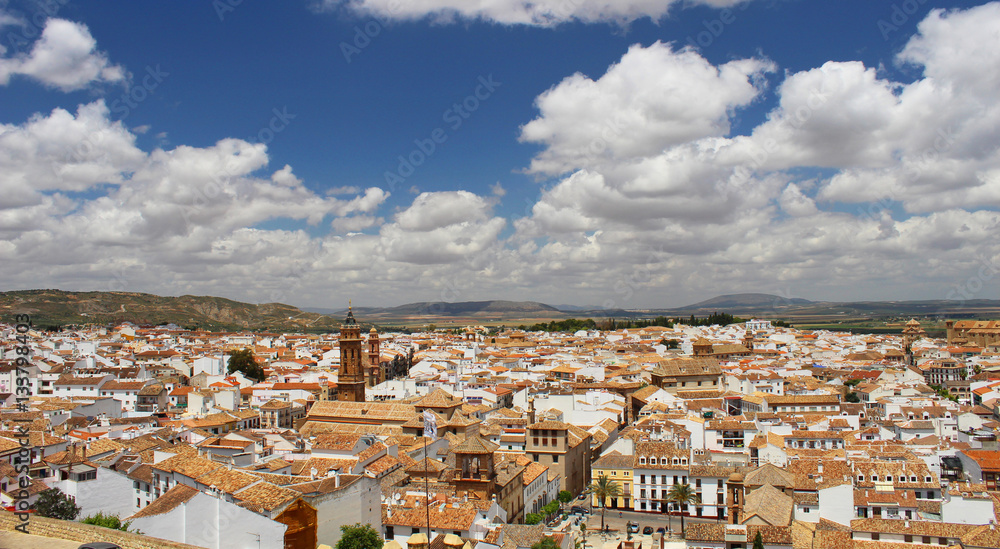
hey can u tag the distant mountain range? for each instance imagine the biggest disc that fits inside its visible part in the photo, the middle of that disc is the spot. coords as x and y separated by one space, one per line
743 301
57 307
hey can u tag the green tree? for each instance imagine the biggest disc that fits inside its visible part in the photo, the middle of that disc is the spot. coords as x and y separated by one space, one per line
546 543
604 488
551 508
109 521
359 536
242 360
53 503
758 541
565 496
682 494
532 518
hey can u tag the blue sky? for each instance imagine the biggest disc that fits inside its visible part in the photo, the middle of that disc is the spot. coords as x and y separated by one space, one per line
622 154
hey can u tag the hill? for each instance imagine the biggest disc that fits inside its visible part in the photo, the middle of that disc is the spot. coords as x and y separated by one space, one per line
57 307
746 301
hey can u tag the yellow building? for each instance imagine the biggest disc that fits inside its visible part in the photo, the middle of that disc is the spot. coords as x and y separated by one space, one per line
616 467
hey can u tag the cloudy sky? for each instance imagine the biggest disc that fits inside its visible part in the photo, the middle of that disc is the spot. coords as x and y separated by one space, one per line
626 153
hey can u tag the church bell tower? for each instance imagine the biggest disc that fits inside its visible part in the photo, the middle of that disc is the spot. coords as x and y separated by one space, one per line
351 378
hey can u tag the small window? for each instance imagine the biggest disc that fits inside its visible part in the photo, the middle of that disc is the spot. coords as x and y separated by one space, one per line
642 461
874 536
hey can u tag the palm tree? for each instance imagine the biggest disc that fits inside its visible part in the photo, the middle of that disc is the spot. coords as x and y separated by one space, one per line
604 488
682 494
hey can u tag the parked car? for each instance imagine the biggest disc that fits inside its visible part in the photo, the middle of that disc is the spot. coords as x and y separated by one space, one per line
647 530
577 510
99 545
632 526
661 530
583 496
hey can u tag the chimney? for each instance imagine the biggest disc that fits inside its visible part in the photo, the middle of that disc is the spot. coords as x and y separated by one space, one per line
336 478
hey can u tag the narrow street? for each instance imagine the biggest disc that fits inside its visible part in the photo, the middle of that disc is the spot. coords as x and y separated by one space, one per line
616 520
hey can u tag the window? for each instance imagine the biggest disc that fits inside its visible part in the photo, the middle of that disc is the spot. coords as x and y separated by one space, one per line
642 479
663 479
642 461
697 483
926 539
555 458
720 484
874 536
138 502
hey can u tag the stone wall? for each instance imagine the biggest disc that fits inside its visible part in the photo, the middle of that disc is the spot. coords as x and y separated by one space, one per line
75 531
